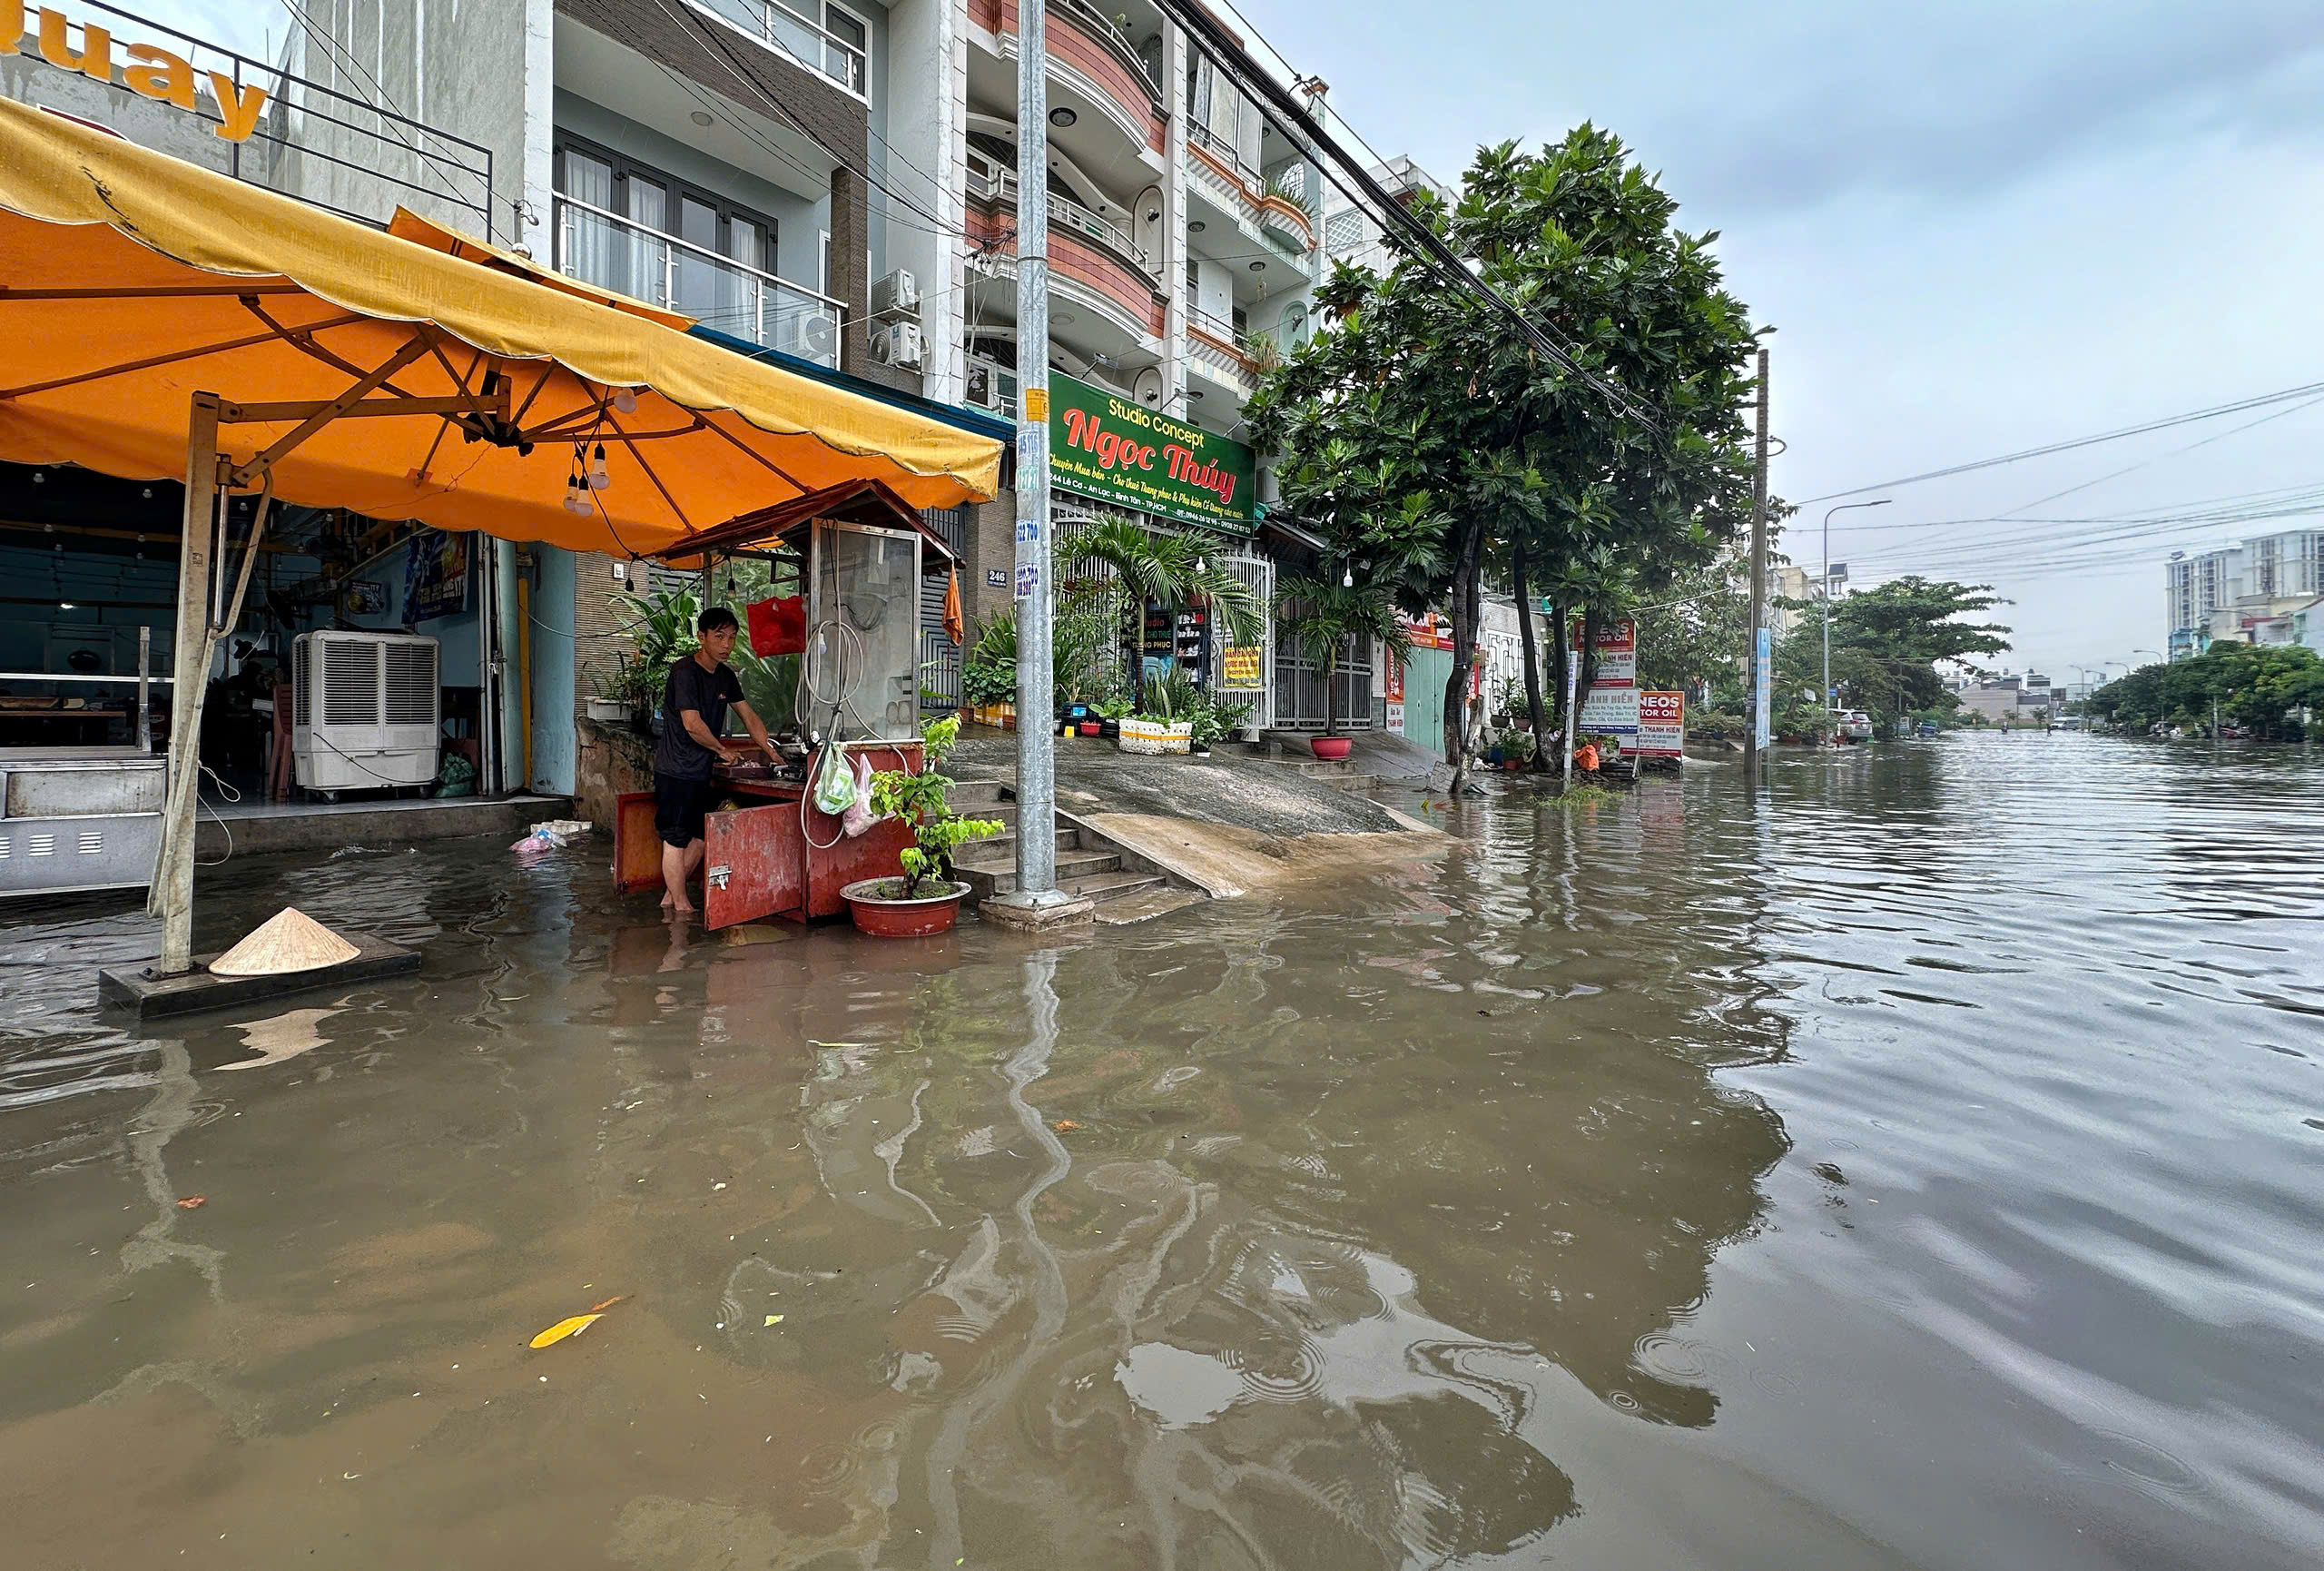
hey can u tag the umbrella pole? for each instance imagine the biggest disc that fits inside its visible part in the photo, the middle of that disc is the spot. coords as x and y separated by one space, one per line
171 896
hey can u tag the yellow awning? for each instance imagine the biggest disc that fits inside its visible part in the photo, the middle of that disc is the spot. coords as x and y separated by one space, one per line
129 281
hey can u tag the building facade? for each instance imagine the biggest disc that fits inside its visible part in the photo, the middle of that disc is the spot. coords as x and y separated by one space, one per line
2232 594
831 182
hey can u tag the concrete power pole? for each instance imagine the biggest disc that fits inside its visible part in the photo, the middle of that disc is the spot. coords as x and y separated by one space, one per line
1037 901
1758 700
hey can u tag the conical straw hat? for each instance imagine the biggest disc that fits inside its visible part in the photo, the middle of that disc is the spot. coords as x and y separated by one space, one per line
289 941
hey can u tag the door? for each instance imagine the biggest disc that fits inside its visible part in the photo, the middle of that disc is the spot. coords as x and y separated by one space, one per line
1426 671
753 865
1234 664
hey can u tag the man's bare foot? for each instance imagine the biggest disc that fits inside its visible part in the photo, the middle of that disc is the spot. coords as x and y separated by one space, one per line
677 910
665 902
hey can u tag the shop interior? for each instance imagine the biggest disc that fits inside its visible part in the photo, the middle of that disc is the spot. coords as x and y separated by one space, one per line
89 565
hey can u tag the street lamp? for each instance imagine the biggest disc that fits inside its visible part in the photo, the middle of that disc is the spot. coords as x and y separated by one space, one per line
1843 508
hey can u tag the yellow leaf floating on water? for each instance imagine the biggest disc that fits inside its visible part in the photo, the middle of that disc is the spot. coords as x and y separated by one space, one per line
774 1319
571 1327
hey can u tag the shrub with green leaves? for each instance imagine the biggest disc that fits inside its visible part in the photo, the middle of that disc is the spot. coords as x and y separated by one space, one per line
924 801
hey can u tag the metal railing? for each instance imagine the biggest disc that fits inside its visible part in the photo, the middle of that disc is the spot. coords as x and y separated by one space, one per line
991 182
616 254
1090 20
317 143
773 23
1252 347
993 386
1211 142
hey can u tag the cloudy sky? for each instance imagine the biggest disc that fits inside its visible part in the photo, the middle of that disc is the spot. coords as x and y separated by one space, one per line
1978 228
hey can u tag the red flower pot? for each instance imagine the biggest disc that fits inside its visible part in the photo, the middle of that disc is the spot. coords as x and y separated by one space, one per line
888 918
1093 728
1331 749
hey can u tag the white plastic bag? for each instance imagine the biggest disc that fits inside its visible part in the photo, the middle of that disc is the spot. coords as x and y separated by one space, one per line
859 817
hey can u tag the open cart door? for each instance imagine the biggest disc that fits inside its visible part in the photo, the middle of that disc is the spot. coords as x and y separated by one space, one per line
753 865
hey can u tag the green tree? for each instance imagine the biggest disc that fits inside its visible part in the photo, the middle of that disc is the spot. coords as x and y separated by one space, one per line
1887 641
2260 688
1321 618
1601 472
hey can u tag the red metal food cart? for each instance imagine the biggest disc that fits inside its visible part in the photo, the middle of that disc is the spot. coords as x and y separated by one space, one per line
859 551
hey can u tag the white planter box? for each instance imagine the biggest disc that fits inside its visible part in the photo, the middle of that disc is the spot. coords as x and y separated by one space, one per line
1144 737
612 710
1180 738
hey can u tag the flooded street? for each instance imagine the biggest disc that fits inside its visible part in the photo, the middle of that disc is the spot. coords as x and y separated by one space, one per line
1916 1165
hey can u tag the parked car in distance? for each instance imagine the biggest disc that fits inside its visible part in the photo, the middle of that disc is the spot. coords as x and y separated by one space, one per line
1927 728
1851 726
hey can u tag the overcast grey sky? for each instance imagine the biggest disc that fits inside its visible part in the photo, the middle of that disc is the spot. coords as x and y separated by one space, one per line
1978 227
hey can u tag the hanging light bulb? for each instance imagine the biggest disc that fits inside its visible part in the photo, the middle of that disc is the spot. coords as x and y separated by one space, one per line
625 400
598 479
1347 578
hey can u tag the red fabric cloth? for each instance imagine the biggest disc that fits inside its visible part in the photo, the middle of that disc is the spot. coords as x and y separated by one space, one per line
778 626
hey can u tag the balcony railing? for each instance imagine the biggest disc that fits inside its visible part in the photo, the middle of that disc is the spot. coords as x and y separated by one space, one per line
997 183
611 252
779 26
1211 142
1101 26
993 386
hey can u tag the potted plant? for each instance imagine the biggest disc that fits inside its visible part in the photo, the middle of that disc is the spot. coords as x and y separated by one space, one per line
1321 617
1216 721
1516 747
988 672
924 898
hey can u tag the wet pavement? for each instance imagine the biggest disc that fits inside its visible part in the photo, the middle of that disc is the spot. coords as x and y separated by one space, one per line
1914 1165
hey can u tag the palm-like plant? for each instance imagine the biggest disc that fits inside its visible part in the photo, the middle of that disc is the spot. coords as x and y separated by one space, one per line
1168 570
1319 618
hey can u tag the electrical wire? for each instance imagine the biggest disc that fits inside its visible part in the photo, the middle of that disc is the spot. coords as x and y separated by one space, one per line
1425 243
2309 391
335 52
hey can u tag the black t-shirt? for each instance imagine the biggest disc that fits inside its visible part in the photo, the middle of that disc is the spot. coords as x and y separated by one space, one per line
708 693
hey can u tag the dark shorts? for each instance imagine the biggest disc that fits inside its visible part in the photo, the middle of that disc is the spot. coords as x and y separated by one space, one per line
680 806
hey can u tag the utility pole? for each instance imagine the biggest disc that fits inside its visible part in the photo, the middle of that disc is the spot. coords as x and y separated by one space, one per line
1762 685
1826 595
1037 901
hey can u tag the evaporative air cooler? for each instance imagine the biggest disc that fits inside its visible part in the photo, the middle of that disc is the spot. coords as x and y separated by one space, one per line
364 710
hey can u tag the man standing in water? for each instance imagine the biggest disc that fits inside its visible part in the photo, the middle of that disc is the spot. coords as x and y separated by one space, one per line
693 726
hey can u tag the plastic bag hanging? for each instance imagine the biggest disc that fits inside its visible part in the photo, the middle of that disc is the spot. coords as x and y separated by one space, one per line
835 791
860 817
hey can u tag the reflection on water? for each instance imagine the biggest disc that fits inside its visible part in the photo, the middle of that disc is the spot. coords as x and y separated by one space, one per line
1910 1163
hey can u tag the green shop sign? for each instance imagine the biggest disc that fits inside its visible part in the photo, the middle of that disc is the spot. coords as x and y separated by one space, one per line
1112 449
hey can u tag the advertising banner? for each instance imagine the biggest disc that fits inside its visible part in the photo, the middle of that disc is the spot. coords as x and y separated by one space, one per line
1429 632
1617 653
1114 450
1238 666
1661 723
1394 688
435 576
1763 707
1610 711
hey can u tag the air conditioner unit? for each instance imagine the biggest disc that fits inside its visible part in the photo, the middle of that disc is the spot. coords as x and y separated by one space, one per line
897 294
896 343
1148 387
365 711
815 336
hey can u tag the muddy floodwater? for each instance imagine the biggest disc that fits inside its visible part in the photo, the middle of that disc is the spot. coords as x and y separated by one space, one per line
1919 1163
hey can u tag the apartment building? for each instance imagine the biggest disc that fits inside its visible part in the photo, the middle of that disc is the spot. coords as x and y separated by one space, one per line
833 182
2231 593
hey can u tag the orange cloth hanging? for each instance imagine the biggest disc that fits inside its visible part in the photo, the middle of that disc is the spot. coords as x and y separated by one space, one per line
956 624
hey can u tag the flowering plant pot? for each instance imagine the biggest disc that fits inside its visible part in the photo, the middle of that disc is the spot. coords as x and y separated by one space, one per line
878 908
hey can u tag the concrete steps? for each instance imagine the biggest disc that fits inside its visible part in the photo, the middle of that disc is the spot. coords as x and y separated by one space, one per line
988 867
